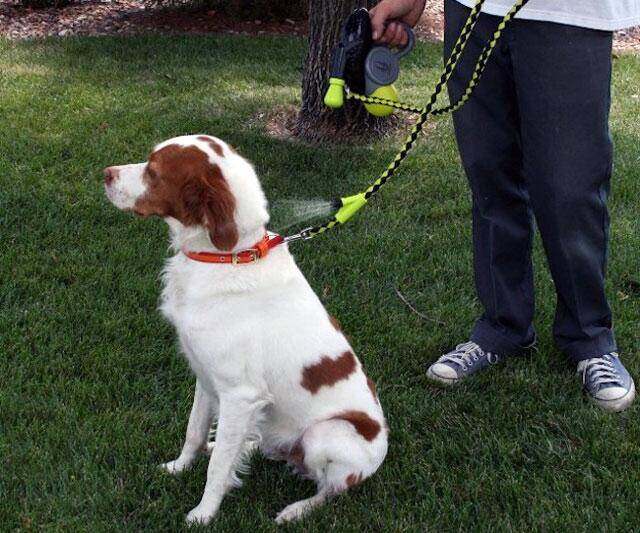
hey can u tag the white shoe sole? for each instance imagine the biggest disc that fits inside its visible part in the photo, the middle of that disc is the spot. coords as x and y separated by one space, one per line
617 405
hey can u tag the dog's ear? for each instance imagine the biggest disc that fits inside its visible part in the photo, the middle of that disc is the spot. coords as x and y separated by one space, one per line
208 200
219 209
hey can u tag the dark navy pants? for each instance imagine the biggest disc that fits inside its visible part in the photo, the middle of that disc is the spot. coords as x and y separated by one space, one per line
535 145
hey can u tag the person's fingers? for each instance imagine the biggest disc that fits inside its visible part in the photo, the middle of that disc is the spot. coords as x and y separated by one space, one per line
393 29
395 35
379 16
388 35
400 38
405 36
384 29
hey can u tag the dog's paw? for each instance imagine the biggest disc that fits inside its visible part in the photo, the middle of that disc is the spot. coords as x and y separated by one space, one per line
291 512
176 467
200 516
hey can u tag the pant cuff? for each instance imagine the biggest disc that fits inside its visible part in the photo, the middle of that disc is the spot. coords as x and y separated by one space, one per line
588 348
491 339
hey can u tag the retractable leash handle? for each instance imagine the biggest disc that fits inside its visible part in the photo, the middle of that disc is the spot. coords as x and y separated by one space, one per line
357 65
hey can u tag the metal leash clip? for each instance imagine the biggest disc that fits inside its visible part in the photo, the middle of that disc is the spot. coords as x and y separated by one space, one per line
302 235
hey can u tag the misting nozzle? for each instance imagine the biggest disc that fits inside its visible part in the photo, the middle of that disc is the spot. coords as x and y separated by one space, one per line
349 205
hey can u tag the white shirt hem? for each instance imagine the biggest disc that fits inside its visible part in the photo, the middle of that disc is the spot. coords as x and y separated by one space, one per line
561 18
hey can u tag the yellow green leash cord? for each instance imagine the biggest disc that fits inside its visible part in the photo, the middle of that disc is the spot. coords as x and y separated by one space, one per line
348 206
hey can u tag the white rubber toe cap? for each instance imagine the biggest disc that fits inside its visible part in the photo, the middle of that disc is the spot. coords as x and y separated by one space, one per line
442 373
615 399
611 393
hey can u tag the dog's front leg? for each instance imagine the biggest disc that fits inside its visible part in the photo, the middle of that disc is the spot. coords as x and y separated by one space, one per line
202 413
236 422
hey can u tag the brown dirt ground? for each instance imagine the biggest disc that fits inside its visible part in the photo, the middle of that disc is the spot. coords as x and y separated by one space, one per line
101 17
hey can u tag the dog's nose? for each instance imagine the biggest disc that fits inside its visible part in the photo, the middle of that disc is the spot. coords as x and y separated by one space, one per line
110 173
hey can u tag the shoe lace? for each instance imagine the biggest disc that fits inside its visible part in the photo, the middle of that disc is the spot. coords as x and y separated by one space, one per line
465 354
601 371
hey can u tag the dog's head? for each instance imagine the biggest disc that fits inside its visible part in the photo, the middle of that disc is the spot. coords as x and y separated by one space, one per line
193 182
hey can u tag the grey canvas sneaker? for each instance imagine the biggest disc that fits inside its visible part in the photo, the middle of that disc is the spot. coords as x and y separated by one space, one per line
607 382
465 360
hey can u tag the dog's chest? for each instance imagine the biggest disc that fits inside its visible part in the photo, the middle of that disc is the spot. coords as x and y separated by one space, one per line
184 299
173 298
201 318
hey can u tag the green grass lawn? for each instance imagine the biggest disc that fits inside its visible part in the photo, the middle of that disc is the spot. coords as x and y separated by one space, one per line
93 395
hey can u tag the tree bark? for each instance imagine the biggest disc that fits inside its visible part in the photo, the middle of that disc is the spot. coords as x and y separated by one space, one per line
315 121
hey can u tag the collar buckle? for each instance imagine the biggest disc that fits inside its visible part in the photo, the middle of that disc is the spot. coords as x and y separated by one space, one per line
250 255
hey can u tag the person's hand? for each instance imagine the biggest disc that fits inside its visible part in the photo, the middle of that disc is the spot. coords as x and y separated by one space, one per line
385 17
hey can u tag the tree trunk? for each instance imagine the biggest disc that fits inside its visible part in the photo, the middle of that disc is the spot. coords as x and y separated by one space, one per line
315 121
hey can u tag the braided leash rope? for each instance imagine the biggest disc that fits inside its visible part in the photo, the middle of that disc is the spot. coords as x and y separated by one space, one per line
429 110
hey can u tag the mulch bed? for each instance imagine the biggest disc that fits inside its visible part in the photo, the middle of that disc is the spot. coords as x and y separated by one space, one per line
103 17
96 17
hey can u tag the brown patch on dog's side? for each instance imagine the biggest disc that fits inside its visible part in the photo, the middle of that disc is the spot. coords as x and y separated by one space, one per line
362 422
215 146
353 480
183 184
328 372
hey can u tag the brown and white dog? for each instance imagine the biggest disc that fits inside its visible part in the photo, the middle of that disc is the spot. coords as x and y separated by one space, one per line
271 365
